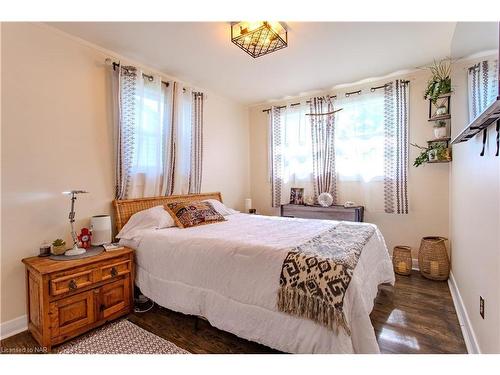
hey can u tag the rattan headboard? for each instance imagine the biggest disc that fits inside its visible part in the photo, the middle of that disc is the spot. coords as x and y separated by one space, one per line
125 208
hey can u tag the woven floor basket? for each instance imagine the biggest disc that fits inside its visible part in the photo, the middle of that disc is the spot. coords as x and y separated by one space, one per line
401 260
433 258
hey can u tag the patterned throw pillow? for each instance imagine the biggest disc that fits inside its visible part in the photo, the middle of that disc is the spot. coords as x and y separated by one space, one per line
192 214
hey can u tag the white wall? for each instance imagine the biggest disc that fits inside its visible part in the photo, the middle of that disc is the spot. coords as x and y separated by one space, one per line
475 220
427 185
57 135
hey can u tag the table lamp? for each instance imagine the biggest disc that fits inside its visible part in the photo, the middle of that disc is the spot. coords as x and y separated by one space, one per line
75 250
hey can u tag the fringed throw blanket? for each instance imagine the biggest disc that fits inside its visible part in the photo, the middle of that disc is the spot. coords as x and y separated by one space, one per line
315 275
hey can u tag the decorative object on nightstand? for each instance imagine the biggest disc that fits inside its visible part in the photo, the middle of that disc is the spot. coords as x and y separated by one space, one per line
401 260
68 298
58 247
100 225
75 250
335 212
44 250
433 258
325 199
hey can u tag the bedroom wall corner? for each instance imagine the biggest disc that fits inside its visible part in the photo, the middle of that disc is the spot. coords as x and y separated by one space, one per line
57 120
475 224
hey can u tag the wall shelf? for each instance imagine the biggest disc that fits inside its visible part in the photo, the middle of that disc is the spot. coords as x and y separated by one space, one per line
484 120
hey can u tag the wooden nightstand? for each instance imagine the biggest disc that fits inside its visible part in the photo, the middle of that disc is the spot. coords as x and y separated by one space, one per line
68 298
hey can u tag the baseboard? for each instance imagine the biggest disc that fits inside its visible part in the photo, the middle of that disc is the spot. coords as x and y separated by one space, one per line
463 318
14 326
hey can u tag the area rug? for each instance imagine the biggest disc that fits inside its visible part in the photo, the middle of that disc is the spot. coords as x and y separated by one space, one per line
121 337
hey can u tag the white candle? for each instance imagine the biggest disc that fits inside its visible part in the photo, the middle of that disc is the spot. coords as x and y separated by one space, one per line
248 205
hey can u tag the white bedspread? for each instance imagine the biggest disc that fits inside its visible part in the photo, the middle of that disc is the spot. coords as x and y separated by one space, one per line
229 273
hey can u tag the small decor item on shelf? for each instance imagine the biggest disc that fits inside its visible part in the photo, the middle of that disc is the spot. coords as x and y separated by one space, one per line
325 199
436 151
440 129
401 260
44 250
349 204
84 238
297 196
433 258
440 82
309 200
58 247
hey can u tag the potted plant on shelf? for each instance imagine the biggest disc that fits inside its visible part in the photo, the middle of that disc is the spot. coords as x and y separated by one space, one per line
437 151
440 129
58 246
440 82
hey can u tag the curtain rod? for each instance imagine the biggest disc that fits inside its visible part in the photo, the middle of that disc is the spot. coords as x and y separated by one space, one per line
347 94
151 78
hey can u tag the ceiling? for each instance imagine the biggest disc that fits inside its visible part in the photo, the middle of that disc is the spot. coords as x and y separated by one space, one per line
320 55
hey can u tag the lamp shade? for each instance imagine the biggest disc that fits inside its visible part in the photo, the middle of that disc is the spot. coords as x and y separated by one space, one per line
101 229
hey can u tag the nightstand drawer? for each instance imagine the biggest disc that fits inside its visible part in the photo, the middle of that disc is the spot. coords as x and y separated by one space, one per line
71 282
115 269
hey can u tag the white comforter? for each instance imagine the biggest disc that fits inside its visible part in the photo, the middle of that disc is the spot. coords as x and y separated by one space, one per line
229 273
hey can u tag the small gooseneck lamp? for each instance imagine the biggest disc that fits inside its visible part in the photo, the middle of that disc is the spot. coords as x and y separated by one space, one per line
75 250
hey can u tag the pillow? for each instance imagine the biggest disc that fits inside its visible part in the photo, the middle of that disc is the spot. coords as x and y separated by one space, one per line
192 214
152 218
220 207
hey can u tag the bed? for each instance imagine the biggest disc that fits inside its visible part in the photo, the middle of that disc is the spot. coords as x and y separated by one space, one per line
229 273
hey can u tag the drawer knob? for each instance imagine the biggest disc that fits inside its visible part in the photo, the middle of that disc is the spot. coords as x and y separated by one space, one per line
72 285
114 272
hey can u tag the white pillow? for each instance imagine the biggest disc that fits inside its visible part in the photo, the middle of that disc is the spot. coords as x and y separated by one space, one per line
152 218
221 208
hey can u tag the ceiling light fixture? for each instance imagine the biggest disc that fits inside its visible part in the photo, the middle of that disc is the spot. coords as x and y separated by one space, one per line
259 38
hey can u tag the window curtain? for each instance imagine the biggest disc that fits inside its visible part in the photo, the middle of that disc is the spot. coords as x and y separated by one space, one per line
291 152
396 97
323 146
359 149
124 85
482 86
196 170
154 125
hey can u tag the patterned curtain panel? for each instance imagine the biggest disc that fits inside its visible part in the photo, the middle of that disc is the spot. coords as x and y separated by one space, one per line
323 146
396 98
168 138
276 162
124 84
195 174
483 86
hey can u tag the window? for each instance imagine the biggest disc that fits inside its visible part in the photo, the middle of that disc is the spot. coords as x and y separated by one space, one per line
359 137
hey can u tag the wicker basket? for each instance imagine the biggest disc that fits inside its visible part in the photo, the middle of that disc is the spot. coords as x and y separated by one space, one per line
433 258
401 260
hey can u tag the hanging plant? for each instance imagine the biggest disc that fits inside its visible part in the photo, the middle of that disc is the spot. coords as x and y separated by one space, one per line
440 83
438 150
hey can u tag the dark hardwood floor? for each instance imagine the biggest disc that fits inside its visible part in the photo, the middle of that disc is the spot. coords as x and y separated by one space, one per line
415 316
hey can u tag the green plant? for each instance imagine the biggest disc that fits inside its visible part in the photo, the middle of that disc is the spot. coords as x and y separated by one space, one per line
59 242
423 157
440 124
440 83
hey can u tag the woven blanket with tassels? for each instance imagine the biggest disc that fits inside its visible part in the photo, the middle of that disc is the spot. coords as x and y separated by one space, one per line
315 275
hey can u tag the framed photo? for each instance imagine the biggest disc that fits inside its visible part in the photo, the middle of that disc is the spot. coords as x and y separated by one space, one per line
297 196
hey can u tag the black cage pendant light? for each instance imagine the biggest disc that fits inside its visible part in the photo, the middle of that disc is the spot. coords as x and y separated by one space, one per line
259 38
